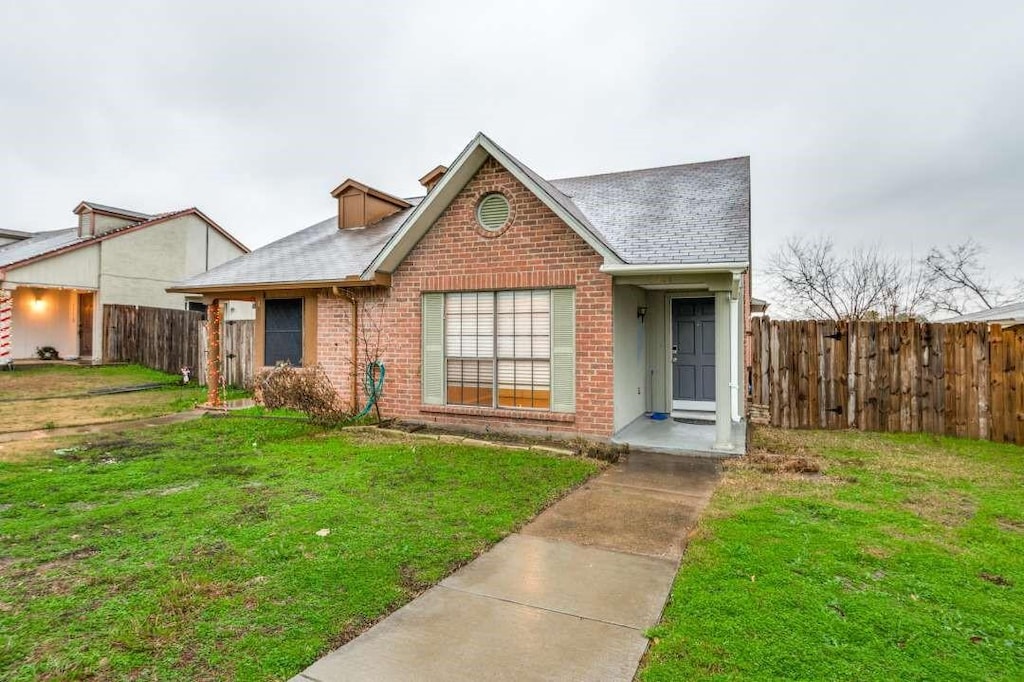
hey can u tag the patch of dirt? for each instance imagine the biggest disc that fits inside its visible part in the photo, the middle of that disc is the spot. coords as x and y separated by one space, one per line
995 579
877 552
948 509
772 463
407 578
1012 525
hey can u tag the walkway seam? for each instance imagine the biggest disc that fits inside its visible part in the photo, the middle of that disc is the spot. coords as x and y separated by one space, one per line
656 490
540 608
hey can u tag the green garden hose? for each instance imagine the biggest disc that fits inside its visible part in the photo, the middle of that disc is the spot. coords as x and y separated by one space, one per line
373 384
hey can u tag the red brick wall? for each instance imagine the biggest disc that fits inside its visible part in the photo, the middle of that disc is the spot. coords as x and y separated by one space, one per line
536 250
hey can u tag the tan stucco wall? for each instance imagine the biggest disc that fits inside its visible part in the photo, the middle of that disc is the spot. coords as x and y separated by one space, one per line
53 322
78 268
136 268
106 223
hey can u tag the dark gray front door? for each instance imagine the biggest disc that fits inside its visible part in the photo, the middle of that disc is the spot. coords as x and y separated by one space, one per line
693 349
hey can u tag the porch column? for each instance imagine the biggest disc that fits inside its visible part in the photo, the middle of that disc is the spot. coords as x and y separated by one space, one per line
723 365
6 323
214 316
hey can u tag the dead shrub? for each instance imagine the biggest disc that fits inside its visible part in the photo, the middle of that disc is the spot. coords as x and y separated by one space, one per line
771 463
605 452
306 389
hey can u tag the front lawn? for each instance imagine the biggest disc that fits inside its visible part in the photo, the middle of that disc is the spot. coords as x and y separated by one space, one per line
903 559
232 548
51 396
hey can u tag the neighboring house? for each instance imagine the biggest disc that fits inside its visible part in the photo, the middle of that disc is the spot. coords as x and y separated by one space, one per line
511 301
54 284
1009 315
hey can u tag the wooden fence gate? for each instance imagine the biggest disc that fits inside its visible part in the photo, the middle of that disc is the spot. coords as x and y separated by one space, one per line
168 340
953 379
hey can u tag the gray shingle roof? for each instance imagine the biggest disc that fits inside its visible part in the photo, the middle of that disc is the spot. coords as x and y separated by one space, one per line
1004 313
693 213
688 214
318 253
37 245
120 211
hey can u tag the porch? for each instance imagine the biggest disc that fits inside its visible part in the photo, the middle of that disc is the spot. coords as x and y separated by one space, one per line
674 437
33 317
679 352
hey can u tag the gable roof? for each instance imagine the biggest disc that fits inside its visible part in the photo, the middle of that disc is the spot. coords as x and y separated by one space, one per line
37 245
321 253
112 210
451 183
14 234
686 216
55 242
1012 312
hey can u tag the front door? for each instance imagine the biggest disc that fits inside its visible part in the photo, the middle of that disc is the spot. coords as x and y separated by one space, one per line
85 303
693 353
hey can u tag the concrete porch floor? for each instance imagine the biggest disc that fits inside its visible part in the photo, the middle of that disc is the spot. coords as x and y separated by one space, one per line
677 438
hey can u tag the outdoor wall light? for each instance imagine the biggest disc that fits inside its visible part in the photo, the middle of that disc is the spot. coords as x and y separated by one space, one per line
641 313
38 303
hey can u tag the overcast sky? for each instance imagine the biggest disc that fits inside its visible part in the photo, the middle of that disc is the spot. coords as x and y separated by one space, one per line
897 122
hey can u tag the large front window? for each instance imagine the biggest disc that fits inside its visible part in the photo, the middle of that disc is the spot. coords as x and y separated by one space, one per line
498 349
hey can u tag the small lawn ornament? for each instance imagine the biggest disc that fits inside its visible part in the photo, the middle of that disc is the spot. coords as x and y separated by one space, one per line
186 375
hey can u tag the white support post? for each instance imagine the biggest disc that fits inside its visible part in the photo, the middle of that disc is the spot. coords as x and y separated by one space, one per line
723 365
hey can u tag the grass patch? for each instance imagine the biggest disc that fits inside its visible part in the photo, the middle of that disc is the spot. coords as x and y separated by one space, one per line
192 551
58 380
53 396
861 556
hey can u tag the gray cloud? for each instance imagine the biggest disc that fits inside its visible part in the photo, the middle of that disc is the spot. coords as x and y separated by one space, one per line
901 123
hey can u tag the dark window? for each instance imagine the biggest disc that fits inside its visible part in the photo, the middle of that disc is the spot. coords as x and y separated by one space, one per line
197 307
283 336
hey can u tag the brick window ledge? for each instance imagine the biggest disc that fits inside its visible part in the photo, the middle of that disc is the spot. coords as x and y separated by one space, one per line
499 413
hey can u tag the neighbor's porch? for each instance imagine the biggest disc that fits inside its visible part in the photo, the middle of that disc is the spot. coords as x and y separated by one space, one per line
33 317
678 361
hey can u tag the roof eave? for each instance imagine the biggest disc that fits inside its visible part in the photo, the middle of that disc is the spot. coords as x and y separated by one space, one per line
735 267
381 279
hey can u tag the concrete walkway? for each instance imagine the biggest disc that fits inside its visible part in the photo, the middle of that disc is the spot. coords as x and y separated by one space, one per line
568 598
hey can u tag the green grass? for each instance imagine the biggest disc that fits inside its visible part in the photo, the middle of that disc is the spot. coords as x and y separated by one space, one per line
190 552
57 380
903 559
52 396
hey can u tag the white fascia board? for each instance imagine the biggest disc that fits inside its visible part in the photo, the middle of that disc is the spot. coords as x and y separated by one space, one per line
450 184
415 223
736 267
569 219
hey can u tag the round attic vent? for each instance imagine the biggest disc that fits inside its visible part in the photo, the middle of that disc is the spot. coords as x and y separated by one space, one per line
492 212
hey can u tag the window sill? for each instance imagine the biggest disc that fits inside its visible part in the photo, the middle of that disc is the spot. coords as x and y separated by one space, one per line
500 413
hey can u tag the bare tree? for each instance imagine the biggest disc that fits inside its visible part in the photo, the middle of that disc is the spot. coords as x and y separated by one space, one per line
812 279
373 338
958 280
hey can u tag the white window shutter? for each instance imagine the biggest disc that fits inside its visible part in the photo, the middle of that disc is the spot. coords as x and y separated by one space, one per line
563 350
432 340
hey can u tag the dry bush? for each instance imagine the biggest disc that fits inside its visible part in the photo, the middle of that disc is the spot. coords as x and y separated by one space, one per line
771 463
307 389
606 452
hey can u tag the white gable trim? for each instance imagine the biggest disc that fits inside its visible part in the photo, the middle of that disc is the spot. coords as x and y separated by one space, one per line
451 183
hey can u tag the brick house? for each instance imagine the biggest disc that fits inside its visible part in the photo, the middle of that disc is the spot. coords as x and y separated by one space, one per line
502 300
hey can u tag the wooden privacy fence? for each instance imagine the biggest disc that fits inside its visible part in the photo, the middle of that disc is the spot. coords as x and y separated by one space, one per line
954 379
168 340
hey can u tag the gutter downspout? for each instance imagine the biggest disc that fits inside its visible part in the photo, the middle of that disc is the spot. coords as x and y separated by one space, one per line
355 345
